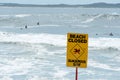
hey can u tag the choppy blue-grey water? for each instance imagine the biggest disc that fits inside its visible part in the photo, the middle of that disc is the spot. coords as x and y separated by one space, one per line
39 52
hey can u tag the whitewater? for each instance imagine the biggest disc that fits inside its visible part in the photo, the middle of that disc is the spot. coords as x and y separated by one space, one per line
38 52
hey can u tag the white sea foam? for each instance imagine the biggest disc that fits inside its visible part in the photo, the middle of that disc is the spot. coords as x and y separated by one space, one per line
18 66
88 20
104 43
38 78
115 13
17 15
102 66
22 15
33 38
44 25
6 78
58 40
60 73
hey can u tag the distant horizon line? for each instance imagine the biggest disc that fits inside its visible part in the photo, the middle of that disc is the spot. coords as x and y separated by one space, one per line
97 5
59 3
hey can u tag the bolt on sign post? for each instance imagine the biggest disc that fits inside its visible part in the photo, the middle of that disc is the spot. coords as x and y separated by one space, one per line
77 51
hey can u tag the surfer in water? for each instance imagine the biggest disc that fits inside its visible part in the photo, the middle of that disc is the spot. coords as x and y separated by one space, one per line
25 26
111 34
38 23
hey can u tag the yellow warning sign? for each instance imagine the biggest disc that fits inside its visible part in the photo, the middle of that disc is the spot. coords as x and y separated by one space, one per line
77 50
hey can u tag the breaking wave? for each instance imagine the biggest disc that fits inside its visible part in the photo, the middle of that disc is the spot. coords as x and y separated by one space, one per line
32 38
83 18
104 43
58 40
107 17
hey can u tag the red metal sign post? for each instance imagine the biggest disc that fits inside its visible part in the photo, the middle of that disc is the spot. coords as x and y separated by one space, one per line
76 77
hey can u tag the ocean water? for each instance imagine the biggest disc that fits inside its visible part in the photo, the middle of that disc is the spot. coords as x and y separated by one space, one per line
39 52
